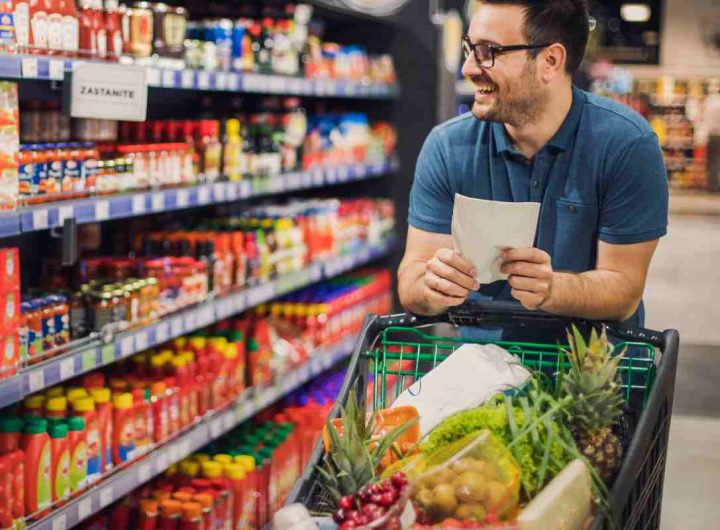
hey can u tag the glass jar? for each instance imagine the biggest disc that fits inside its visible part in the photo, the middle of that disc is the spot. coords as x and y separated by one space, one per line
103 308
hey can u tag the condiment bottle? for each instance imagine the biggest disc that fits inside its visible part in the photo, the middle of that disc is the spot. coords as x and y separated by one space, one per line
85 408
34 406
213 472
251 491
206 501
160 411
35 443
56 408
192 517
147 514
123 428
78 453
88 34
98 21
104 409
10 434
113 29
142 442
60 458
75 393
235 474
170 514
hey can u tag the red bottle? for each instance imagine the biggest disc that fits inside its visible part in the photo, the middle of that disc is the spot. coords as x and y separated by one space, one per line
88 33
98 22
60 458
70 27
147 515
113 29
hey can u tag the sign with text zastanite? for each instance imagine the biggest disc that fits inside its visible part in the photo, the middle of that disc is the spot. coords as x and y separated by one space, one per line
110 92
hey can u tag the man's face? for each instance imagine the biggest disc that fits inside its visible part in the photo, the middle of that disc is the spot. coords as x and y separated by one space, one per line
510 92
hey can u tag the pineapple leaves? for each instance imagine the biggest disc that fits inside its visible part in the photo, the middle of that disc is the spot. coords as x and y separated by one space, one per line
388 440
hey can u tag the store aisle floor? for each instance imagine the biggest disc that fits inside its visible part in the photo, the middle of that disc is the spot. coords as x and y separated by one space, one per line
683 292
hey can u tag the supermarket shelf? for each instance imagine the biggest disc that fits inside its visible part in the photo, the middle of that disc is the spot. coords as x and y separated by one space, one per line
95 354
107 208
54 69
203 432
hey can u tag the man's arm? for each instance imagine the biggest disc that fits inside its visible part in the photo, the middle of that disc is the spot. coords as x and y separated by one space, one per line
612 291
432 277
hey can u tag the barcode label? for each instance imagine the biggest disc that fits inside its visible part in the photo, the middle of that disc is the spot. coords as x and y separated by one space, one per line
106 496
158 201
29 68
102 210
40 219
65 212
57 70
36 380
67 369
183 198
138 204
84 508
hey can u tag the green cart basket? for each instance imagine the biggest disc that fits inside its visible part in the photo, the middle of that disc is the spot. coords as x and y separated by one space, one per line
396 350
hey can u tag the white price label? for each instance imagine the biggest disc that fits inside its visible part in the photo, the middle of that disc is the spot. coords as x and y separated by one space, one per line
65 212
185 448
126 346
215 429
174 453
40 219
233 82
143 473
221 81
306 179
161 333
59 522
141 341
245 189
331 175
190 321
187 79
203 80
138 204
183 198
67 369
295 86
29 68
203 195
232 191
239 303
176 327
84 508
153 76
106 496
364 255
102 210
161 461
360 171
168 78
158 201
219 191
343 173
318 179
228 421
57 69
36 380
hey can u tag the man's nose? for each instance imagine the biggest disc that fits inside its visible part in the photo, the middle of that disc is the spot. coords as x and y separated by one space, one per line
471 67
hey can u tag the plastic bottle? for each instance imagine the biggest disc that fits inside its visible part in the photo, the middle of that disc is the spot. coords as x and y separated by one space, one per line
147 514
56 408
251 491
180 373
75 393
142 442
78 453
88 34
70 27
17 458
207 502
6 491
85 407
10 434
213 472
104 409
192 517
170 513
123 428
60 474
235 474
173 403
160 411
34 405
98 24
113 29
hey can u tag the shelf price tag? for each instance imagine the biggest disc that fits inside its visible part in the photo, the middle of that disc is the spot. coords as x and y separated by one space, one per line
221 80
59 522
245 189
141 341
343 173
107 354
161 462
176 327
228 421
127 346
65 212
182 198
190 321
161 332
36 380
84 508
215 429
158 201
187 79
88 360
67 368
318 178
106 496
29 67
360 171
231 191
40 219
203 80
153 76
138 204
102 210
219 191
168 78
203 195
143 473
57 69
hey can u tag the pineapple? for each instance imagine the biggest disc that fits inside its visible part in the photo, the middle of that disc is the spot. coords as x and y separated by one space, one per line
355 451
593 384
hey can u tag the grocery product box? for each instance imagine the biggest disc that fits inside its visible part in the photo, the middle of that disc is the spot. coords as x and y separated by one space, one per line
9 145
9 269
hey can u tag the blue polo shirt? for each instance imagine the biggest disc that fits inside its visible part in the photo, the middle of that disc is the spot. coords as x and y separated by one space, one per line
601 177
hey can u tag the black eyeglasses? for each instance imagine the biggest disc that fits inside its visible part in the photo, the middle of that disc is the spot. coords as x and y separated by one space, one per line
485 53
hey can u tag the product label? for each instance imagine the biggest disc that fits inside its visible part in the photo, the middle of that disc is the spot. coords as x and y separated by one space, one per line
55 27
72 178
108 446
22 24
78 466
44 478
26 174
102 43
94 457
39 25
62 475
70 34
54 178
48 333
126 443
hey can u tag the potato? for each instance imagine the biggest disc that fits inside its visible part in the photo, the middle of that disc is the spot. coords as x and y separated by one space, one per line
443 501
469 464
496 494
441 476
424 497
470 512
470 487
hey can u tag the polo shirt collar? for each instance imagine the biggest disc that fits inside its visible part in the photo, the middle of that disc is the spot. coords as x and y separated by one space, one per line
561 141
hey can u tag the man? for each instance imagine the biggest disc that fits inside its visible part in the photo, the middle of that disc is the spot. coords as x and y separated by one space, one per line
593 164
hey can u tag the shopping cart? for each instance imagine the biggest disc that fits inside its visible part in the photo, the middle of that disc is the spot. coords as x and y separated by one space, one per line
393 351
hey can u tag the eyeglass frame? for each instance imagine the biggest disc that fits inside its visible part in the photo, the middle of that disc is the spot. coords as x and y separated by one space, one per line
496 50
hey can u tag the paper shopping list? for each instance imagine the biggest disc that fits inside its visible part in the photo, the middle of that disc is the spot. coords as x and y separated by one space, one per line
482 229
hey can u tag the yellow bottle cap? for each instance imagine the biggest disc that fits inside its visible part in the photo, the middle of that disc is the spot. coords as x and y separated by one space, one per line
234 471
56 404
247 461
100 395
187 356
201 457
180 342
230 352
232 127
223 459
123 401
34 402
189 468
218 343
198 343
178 362
171 470
76 393
56 391
166 355
212 469
157 361
85 404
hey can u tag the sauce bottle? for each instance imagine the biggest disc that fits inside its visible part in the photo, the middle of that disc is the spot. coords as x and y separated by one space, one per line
180 373
78 453
251 492
123 428
235 474
6 492
35 443
192 517
98 23
10 433
88 35
213 472
142 442
206 502
113 29
33 406
147 514
104 409
56 408
170 513
60 458
70 27
85 408
158 402
173 401
17 458
75 393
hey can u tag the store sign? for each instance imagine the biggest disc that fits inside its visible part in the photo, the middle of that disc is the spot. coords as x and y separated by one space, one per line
110 92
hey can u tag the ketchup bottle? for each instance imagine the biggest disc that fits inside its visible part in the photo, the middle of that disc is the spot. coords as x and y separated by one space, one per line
70 27
98 23
113 29
88 34
147 515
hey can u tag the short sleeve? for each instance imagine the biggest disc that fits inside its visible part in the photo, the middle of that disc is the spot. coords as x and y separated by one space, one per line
634 207
431 201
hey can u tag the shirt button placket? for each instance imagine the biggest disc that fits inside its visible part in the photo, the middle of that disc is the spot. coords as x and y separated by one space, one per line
536 178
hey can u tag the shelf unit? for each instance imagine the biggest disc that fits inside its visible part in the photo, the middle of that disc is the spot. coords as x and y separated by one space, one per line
97 352
202 432
107 208
31 67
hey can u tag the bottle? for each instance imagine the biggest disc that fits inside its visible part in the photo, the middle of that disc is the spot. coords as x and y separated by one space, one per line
85 408
113 29
192 517
210 148
142 442
123 428
180 373
13 484
251 492
70 27
17 458
34 405
232 150
158 392
75 393
6 491
60 458
98 23
88 32
21 20
235 474
39 12
147 514
213 472
35 444
78 453
207 502
56 408
104 409
54 28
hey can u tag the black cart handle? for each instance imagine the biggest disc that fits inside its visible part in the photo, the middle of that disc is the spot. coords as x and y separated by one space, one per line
513 311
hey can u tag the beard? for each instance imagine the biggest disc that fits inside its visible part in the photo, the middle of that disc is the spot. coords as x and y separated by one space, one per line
519 103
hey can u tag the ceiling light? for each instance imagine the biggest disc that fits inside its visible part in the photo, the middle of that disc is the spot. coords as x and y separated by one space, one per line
635 12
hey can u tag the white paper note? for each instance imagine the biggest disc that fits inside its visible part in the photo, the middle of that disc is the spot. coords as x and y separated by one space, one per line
482 229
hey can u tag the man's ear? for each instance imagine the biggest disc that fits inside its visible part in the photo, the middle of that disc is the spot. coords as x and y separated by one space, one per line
552 62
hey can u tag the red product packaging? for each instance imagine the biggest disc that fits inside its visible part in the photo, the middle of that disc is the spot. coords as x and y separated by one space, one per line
10 353
9 269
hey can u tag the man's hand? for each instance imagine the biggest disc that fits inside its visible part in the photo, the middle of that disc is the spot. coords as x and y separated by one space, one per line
531 275
449 279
